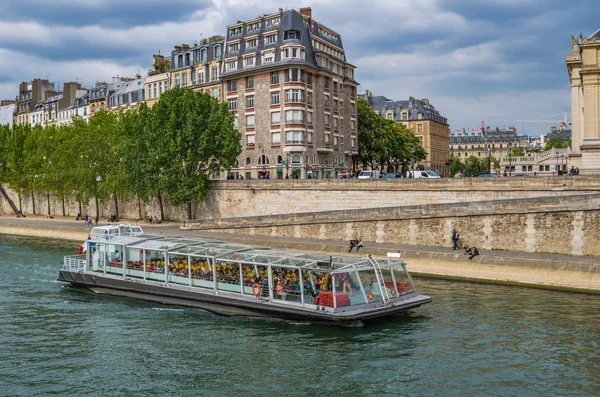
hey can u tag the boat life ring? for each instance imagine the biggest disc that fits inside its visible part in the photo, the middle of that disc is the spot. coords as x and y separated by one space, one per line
370 296
256 289
393 292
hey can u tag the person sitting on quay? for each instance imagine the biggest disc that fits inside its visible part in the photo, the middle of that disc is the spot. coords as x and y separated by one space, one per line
467 250
359 244
352 244
474 253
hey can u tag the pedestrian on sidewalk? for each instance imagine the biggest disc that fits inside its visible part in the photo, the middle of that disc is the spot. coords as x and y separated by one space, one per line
455 237
97 220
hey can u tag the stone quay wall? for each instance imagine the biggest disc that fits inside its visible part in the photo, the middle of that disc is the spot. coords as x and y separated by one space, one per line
557 225
245 198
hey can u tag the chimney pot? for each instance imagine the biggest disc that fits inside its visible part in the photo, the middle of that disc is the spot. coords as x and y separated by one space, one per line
307 11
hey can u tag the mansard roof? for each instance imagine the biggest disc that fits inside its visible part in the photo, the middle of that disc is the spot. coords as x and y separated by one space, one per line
414 106
595 35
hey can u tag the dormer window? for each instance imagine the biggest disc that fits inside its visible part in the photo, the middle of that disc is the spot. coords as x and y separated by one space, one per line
271 39
217 51
252 43
235 31
203 55
291 35
272 21
253 26
234 47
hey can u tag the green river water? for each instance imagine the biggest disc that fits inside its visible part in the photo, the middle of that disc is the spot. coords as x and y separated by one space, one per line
473 340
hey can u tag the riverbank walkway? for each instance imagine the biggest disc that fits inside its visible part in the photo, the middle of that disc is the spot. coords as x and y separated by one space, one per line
508 267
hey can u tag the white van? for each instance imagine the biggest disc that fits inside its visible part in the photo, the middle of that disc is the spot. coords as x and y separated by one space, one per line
423 174
374 174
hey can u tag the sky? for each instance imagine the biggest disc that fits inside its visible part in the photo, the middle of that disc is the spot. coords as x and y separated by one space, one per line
475 60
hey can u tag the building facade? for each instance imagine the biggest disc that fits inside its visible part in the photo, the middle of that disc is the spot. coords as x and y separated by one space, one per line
425 121
30 94
467 143
129 95
198 67
547 163
293 94
583 65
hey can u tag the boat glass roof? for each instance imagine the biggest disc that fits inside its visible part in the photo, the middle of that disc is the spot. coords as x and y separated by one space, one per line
233 252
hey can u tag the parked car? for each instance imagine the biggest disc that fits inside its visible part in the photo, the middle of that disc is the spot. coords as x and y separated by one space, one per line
374 174
389 175
423 174
344 176
522 175
486 176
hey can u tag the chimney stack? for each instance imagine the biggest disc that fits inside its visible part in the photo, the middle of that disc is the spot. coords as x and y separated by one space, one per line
425 101
306 11
368 93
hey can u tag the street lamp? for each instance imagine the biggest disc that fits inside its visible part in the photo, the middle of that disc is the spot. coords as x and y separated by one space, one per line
510 159
287 166
412 161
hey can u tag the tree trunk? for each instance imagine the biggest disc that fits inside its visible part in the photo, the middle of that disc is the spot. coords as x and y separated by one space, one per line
20 202
160 204
33 202
140 208
80 209
116 206
63 207
97 207
190 211
48 197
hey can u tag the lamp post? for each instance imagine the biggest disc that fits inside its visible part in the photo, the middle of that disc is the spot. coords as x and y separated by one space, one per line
412 162
287 166
557 169
510 159
564 164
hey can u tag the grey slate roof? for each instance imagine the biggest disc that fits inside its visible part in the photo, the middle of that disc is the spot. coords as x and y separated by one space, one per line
490 136
289 20
195 53
6 114
81 101
595 35
381 104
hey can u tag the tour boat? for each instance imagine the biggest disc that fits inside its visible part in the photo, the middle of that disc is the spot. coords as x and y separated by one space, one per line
235 279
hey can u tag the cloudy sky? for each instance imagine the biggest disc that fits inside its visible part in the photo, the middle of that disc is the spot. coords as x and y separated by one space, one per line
476 60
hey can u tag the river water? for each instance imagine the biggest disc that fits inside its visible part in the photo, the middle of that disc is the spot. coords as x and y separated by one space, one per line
473 340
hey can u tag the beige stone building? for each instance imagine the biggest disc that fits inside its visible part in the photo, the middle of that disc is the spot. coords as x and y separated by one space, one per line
583 64
467 143
425 121
31 94
198 67
286 79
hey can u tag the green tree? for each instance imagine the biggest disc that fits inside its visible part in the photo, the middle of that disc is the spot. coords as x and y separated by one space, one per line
385 141
456 165
197 139
517 152
16 174
557 142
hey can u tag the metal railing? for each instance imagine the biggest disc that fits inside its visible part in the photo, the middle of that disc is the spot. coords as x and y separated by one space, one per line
74 263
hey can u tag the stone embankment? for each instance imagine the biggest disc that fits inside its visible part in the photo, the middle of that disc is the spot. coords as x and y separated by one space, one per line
560 272
556 225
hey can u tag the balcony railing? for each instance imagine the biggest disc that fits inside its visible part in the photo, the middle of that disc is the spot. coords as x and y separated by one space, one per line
295 141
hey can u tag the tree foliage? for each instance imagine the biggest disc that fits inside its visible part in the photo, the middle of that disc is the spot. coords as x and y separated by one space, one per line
385 141
557 142
172 148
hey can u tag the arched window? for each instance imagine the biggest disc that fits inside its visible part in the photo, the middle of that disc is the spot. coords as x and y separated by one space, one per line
248 161
295 159
335 160
314 159
263 160
279 159
217 51
203 55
